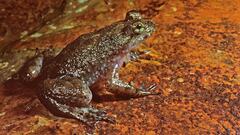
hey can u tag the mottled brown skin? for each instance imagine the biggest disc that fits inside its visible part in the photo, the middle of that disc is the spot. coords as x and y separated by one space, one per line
65 80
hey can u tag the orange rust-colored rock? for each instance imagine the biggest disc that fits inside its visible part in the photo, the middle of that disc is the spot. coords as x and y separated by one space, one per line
194 59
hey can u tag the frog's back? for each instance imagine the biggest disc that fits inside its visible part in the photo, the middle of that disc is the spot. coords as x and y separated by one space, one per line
95 54
89 56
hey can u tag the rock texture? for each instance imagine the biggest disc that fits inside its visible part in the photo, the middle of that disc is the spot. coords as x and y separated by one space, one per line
194 60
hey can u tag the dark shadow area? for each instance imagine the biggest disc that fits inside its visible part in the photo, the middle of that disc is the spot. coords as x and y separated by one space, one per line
13 87
108 98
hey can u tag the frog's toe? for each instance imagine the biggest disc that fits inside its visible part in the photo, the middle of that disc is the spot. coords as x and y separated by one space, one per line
147 91
99 115
151 87
91 116
110 119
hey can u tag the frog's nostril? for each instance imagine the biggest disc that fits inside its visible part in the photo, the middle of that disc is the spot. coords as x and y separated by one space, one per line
151 27
150 30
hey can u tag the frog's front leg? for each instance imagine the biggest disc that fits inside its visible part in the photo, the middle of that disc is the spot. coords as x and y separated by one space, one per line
70 97
134 55
119 87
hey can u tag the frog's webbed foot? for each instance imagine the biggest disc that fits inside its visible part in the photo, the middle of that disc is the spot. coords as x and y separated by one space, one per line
119 87
70 97
90 115
145 91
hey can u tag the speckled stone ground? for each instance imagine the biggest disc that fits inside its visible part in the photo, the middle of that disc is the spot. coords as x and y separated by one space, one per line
19 18
194 60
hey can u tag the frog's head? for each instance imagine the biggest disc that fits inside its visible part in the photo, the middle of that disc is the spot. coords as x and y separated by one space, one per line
137 27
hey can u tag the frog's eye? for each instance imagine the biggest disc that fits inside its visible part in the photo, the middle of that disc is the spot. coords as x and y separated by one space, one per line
133 15
138 27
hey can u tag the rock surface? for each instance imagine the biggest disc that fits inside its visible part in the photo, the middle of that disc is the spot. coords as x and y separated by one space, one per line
194 59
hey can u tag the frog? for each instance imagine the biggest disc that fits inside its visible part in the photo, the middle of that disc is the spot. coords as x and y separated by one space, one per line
64 81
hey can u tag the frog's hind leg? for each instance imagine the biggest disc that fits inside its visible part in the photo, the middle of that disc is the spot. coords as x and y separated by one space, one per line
32 67
27 73
70 97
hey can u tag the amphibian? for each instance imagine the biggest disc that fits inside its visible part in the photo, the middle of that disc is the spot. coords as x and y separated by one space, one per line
64 82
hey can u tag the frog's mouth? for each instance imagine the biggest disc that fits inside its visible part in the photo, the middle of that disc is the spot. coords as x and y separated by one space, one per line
136 40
